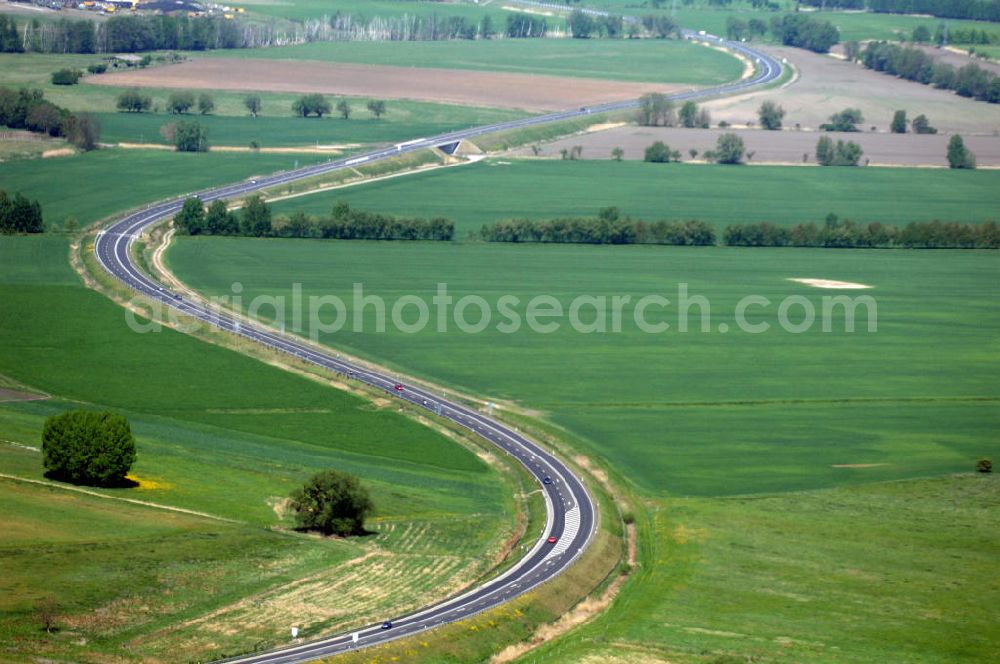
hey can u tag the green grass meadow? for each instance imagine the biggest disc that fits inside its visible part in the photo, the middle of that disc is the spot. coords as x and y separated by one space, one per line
218 433
94 185
545 189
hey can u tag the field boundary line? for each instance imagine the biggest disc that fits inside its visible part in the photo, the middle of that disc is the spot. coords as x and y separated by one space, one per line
134 501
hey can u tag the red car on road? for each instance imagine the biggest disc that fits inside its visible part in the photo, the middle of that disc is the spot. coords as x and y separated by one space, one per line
399 387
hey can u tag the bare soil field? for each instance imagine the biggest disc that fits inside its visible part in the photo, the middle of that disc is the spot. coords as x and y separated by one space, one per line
826 85
783 147
474 88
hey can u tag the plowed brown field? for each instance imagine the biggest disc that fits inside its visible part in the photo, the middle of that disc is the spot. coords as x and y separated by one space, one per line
475 88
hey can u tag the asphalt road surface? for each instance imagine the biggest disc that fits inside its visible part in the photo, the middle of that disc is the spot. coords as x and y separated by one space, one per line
571 515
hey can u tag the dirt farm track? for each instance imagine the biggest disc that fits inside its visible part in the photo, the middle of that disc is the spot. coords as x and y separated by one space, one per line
473 88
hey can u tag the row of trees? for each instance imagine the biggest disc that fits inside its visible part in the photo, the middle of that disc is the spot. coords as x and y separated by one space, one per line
28 109
729 149
804 31
919 125
19 215
344 223
849 235
316 104
916 65
978 10
182 101
658 110
608 227
843 153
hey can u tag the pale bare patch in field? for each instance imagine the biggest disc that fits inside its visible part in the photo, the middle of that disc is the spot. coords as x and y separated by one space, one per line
682 534
58 152
401 570
450 86
831 284
624 653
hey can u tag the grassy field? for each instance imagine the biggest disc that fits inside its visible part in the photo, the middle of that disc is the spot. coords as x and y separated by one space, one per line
547 189
94 185
776 469
639 60
887 572
222 434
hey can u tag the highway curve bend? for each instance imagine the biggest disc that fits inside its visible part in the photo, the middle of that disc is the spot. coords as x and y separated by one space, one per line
571 514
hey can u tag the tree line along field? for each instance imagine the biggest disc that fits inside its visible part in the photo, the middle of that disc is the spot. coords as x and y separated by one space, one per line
856 26
718 194
221 434
815 439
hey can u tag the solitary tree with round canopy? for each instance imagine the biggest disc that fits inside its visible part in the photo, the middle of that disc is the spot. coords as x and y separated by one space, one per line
333 503
87 447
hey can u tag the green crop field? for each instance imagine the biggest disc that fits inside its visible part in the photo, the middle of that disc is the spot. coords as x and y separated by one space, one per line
654 61
217 433
714 193
705 425
91 186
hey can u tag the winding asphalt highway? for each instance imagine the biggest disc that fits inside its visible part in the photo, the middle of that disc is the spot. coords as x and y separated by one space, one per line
571 514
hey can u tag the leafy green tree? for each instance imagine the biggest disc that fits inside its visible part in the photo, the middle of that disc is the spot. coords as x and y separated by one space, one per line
19 215
770 115
846 120
66 77
311 104
921 125
581 25
190 136
921 34
688 115
377 108
824 151
133 101
252 102
617 153
729 149
898 125
958 155
180 102
486 28
191 217
333 503
87 447
256 217
656 110
658 153
84 132
220 221
984 466
205 103
344 108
